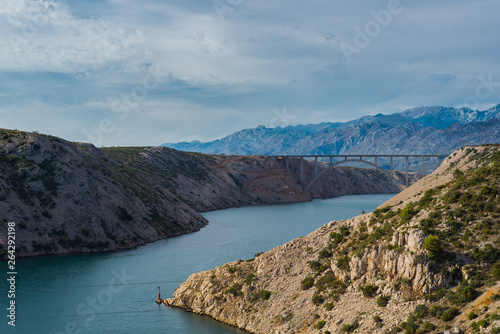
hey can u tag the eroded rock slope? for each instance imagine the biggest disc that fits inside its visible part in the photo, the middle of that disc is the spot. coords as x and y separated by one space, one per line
425 263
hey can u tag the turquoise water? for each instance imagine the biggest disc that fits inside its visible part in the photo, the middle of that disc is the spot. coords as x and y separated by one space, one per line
115 292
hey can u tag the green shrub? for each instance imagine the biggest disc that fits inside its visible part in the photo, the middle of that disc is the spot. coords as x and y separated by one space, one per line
307 283
421 311
483 323
343 263
433 245
329 306
410 326
231 270
471 315
370 290
465 293
324 254
436 311
434 297
428 326
382 301
337 238
317 266
320 324
407 213
261 294
452 196
235 290
329 281
344 230
349 328
449 314
489 253
317 299
249 279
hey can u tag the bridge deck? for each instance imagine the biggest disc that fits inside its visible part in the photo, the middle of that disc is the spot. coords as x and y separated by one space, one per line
355 158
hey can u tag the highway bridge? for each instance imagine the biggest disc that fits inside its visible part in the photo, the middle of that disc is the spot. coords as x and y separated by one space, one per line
359 158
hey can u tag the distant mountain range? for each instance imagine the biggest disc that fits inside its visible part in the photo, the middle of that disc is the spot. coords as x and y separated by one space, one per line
423 130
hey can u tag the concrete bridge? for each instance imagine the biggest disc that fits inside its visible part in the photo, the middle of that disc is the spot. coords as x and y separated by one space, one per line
354 158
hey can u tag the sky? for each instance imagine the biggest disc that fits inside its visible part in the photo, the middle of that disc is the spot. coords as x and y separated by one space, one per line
140 73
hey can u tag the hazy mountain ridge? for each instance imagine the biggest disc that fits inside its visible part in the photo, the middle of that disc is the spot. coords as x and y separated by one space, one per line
423 130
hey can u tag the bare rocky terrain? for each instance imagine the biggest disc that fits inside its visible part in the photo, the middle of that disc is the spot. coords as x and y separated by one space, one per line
427 261
73 197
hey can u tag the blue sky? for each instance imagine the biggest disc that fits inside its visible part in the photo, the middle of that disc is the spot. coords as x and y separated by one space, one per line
128 72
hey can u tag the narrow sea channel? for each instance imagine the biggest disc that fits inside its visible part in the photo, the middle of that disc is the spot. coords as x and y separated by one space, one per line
115 292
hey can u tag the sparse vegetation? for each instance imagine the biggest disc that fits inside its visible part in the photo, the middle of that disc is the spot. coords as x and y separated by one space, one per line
349 328
370 290
307 283
261 294
382 301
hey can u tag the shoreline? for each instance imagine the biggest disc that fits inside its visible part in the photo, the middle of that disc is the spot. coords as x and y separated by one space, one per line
72 253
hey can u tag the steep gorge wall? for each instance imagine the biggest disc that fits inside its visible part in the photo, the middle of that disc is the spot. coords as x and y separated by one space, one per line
376 273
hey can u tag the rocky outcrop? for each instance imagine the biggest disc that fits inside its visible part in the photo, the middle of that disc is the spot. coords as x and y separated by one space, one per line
290 309
403 267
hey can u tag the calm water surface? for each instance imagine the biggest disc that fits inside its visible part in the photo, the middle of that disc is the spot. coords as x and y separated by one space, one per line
115 292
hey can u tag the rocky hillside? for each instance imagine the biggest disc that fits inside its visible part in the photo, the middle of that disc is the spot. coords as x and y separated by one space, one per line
68 197
72 197
425 130
213 182
426 262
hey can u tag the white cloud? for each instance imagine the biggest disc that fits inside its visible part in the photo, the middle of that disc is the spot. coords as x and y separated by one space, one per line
224 75
40 35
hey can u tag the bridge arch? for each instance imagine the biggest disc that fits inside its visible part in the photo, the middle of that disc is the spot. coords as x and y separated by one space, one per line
340 163
355 158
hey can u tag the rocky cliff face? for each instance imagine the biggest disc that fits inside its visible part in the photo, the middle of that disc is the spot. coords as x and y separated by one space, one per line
72 197
420 265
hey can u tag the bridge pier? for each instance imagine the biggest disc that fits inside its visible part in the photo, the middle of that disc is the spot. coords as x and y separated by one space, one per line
301 170
407 171
287 164
423 167
315 166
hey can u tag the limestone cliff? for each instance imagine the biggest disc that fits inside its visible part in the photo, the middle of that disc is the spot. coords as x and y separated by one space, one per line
425 263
